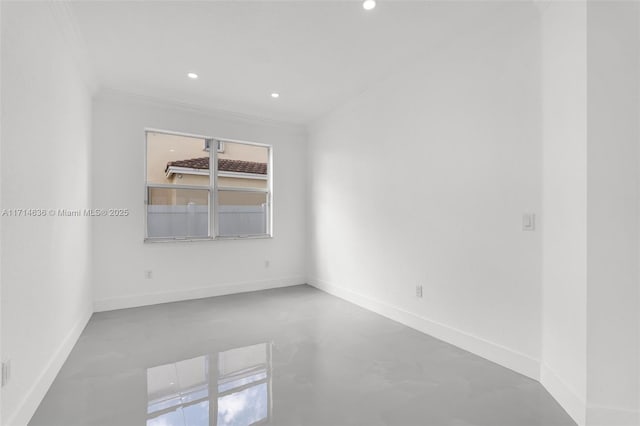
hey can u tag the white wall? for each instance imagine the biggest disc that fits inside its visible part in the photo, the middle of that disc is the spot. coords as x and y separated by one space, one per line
613 360
1 205
46 131
423 179
564 266
590 339
187 270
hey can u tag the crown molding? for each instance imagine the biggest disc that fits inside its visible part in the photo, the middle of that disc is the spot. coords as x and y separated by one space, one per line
110 92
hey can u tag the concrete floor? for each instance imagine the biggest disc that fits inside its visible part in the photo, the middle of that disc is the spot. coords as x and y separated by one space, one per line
292 356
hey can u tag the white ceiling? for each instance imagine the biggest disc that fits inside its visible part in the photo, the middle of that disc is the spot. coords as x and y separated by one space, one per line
316 54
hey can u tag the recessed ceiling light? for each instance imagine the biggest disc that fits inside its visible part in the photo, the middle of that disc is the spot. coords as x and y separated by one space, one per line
275 95
172 150
368 4
192 75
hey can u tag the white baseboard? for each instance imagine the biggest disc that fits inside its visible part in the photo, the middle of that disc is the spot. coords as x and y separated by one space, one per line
194 293
612 416
564 395
34 396
516 361
494 352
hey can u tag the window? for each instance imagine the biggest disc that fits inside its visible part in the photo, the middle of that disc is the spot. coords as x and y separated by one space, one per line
187 199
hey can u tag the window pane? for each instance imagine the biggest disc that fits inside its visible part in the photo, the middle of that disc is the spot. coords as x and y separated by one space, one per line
242 165
180 160
177 213
242 213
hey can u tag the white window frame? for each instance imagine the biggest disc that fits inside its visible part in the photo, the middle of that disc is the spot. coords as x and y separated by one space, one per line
219 145
213 188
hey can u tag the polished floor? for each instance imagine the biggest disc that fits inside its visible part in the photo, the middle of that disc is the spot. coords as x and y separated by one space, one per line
292 356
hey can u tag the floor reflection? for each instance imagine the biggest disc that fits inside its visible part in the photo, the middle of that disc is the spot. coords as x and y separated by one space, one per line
227 388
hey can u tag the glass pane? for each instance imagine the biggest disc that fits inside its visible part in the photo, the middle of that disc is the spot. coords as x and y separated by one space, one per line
178 213
180 160
242 165
242 213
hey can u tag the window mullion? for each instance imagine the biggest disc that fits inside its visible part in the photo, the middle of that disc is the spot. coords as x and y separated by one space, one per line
178 186
270 188
213 182
242 189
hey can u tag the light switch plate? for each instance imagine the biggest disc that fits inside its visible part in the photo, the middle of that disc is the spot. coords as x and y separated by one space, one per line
528 222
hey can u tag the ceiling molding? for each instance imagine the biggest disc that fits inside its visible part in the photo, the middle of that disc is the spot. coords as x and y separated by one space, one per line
107 92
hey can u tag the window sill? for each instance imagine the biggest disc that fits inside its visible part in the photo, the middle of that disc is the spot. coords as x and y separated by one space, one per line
194 240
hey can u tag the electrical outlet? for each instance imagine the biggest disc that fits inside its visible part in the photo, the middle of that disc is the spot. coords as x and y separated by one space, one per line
6 372
148 274
419 291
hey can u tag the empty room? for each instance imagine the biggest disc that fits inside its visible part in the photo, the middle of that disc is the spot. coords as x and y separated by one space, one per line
320 212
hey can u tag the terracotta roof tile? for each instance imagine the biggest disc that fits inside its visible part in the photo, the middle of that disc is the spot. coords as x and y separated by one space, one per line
224 165
227 165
